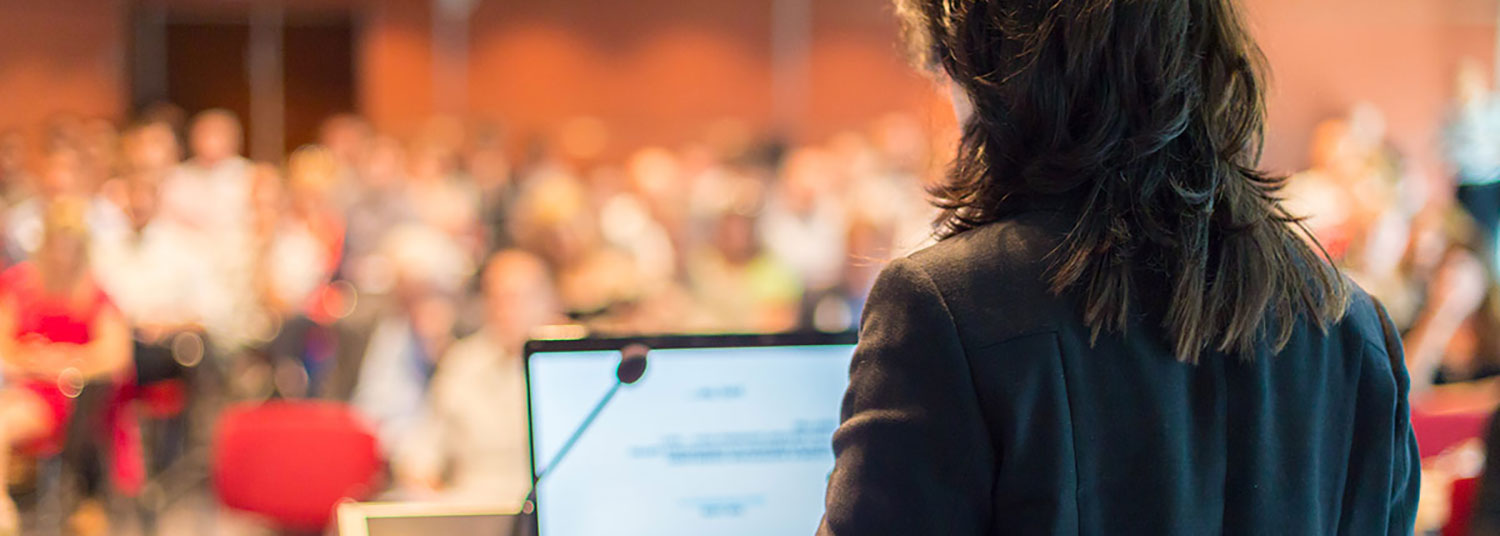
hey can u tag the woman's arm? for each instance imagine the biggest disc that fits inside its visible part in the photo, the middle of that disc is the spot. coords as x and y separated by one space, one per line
12 363
109 351
913 454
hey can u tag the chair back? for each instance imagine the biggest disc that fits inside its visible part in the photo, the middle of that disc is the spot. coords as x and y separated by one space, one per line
294 461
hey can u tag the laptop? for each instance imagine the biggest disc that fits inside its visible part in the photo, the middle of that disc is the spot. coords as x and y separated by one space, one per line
422 519
726 435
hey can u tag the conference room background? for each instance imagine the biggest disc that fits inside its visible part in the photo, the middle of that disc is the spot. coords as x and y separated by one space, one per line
329 226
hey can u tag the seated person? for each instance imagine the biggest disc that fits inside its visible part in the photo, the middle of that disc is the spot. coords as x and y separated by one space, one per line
472 444
58 332
410 331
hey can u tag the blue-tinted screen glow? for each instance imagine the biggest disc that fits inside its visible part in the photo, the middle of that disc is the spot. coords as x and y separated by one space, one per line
717 441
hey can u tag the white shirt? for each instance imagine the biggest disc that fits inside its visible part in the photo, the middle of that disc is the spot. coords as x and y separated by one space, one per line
155 277
212 205
392 383
813 244
297 263
24 226
211 199
476 424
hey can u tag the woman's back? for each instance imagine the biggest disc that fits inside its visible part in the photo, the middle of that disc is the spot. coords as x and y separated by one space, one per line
978 405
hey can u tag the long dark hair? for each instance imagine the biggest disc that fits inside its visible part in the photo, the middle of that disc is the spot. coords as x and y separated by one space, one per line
1150 113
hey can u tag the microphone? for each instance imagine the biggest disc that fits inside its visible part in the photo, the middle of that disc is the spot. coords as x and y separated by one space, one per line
632 366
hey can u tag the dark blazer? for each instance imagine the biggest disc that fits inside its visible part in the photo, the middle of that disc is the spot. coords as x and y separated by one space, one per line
978 406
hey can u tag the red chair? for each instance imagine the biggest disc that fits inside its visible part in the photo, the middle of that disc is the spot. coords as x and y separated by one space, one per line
1437 432
1461 506
293 461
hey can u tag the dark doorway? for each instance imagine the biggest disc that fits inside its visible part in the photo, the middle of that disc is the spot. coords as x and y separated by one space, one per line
205 68
319 66
198 61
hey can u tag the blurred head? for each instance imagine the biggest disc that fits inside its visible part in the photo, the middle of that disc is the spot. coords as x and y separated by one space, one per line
1471 82
434 152
386 165
152 148
216 135
100 146
62 175
1331 144
487 162
347 136
422 262
1148 115
853 154
518 295
311 172
735 237
430 162
654 172
734 234
64 130
555 220
804 176
62 255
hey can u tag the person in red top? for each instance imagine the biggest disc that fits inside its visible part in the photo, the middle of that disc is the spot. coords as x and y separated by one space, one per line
58 332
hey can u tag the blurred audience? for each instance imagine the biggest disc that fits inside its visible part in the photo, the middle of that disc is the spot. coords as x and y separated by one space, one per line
349 270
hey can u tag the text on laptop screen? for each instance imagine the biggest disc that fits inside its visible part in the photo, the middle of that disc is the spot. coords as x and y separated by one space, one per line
723 441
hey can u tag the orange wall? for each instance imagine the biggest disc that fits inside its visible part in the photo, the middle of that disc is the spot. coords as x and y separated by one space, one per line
60 55
394 56
658 70
657 79
650 79
1400 55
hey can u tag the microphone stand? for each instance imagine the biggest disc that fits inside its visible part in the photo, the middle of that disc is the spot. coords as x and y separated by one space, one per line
632 366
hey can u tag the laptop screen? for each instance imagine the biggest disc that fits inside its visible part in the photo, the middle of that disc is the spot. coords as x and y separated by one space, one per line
726 436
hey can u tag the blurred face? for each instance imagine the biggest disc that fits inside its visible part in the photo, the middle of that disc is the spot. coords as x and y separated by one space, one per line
1333 147
62 175
489 167
101 146
806 171
311 172
347 137
1471 82
153 148
215 137
429 164
518 296
384 166
654 172
736 238
432 317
